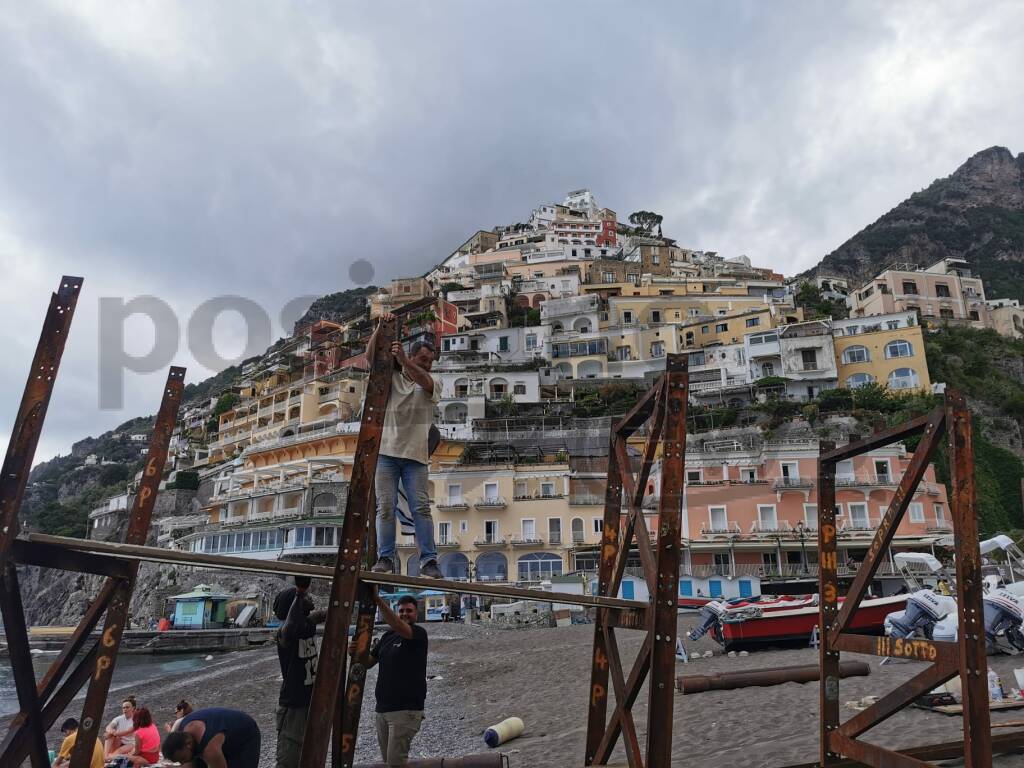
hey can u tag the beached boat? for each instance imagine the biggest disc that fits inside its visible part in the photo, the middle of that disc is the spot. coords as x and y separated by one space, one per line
771 620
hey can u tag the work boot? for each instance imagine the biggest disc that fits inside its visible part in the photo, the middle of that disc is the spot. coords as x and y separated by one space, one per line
383 565
431 571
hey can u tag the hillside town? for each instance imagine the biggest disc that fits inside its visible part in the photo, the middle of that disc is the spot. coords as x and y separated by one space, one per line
543 328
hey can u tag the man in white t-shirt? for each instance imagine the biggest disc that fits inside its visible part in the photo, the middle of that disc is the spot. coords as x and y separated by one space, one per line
120 732
404 452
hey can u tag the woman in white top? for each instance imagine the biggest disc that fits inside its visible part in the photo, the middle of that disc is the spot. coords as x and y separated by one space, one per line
180 712
119 732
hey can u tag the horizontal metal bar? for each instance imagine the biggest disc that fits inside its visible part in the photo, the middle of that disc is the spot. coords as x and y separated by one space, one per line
877 440
764 678
43 555
915 650
229 563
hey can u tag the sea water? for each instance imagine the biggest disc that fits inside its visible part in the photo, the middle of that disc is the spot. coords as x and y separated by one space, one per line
131 670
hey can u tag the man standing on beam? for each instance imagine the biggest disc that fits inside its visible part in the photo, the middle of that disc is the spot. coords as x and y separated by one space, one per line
404 452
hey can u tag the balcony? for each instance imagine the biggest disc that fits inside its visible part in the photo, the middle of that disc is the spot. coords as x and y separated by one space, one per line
287 513
585 500
859 524
526 541
720 529
448 542
781 483
864 481
940 528
491 502
325 512
542 497
453 504
490 541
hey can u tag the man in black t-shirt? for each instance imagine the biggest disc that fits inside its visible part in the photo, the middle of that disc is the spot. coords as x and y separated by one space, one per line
297 653
401 681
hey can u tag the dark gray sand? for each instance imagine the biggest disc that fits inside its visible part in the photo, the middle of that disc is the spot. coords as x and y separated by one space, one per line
482 676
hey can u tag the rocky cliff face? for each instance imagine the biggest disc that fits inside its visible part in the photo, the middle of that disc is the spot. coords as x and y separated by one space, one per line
977 213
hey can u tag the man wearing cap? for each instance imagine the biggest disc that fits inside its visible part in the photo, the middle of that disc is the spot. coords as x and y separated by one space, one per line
404 451
297 653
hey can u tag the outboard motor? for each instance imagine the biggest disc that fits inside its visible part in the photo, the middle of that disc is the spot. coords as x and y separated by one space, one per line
1004 612
709 616
924 608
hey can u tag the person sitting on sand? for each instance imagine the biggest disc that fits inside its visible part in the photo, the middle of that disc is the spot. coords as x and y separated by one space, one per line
147 740
402 681
297 653
118 734
183 708
222 738
70 731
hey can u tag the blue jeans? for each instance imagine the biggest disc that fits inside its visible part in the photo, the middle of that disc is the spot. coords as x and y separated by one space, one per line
413 475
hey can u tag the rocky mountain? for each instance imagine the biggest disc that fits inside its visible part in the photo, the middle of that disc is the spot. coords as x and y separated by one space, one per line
977 213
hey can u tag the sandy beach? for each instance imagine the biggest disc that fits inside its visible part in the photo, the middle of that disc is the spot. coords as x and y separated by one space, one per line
480 676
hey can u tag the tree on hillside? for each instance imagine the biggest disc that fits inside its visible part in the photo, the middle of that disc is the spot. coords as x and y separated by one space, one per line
646 221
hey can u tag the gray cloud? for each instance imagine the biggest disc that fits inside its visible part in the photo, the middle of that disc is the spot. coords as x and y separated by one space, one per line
247 148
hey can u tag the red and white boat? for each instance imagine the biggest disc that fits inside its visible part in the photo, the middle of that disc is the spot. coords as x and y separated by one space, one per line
769 619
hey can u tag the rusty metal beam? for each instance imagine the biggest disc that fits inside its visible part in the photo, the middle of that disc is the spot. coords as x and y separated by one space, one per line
884 437
641 666
887 706
828 589
875 755
28 424
764 678
597 708
623 712
36 553
891 519
1003 743
638 414
359 515
351 706
21 664
117 611
669 544
917 649
231 563
970 635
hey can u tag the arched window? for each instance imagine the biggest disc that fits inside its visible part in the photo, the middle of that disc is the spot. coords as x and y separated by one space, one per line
539 565
461 387
325 504
904 378
856 354
581 324
491 566
898 348
577 530
454 565
859 380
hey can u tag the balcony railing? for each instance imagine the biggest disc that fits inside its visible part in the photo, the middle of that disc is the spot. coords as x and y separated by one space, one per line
448 541
538 496
770 526
526 541
452 504
859 524
720 529
490 541
585 500
554 538
490 502
579 538
793 482
325 512
865 481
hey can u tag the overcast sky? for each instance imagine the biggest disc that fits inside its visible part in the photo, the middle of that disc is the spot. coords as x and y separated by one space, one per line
195 150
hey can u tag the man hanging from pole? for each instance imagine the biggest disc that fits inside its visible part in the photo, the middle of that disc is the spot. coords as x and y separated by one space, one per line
404 452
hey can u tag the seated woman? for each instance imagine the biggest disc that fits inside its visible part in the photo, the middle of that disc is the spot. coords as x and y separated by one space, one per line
147 740
180 712
118 738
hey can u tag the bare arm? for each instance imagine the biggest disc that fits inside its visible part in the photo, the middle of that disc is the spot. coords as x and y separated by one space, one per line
213 755
399 626
371 345
413 371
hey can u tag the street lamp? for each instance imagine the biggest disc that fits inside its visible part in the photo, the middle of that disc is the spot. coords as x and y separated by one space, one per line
803 546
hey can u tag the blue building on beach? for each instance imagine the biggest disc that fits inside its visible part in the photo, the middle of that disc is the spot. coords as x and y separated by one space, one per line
200 609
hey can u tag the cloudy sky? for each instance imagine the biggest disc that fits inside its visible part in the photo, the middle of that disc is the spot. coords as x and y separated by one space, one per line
193 150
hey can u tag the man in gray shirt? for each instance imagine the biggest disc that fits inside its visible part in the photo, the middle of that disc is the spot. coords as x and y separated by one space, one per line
404 453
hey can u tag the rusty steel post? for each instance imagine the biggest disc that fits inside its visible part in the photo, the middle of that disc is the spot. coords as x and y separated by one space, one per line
828 589
669 542
359 514
970 635
117 611
28 424
21 664
597 708
764 678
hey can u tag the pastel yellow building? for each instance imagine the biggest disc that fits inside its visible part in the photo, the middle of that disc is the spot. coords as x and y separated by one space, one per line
884 349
